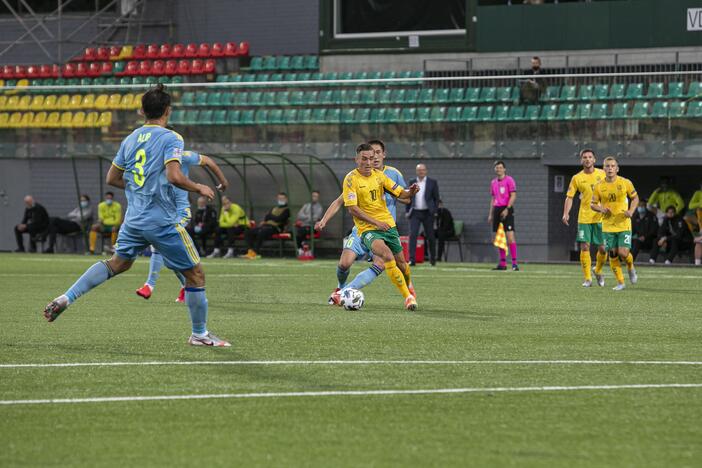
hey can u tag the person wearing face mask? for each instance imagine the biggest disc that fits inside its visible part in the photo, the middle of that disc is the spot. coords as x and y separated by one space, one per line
109 220
673 236
273 223
232 223
76 220
35 221
644 229
203 224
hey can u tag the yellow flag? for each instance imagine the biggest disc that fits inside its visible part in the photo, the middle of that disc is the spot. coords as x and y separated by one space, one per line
500 238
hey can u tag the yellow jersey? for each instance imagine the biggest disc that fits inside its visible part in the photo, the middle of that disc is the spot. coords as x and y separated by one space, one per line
584 183
368 193
110 215
615 196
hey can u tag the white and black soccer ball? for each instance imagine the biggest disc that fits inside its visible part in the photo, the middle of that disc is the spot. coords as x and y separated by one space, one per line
352 299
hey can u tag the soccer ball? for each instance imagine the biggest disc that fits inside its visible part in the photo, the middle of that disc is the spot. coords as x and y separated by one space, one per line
352 299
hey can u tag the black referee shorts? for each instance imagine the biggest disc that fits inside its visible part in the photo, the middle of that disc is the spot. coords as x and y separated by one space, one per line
507 222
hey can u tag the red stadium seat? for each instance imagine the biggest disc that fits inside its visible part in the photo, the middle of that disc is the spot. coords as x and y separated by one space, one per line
103 53
197 67
8 72
244 48
106 68
145 67
231 49
210 66
20 72
132 68
94 70
184 67
164 52
45 71
114 52
217 50
89 55
191 51
33 71
178 51
159 68
171 67
139 52
81 70
152 51
204 50
55 70
69 70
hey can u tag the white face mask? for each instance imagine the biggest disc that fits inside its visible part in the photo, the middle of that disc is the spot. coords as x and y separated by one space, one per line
84 203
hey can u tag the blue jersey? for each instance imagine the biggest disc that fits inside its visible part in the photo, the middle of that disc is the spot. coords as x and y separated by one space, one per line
390 201
143 156
190 158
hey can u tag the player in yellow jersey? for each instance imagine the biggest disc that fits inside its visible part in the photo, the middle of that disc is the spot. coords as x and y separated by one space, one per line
616 198
364 197
589 221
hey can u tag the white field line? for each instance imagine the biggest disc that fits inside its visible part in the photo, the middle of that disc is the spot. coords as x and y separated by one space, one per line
351 363
332 393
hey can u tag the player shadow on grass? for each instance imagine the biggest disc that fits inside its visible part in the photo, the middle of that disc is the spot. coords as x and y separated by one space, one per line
457 314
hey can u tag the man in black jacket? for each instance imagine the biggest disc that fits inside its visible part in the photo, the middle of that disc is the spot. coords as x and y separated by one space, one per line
78 220
35 221
273 223
444 227
203 224
673 236
644 229
421 211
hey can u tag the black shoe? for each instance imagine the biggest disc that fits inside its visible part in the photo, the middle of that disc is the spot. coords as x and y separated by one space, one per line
433 263
500 268
412 263
515 267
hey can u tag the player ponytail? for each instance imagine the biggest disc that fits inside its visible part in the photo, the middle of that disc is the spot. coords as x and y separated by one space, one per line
155 102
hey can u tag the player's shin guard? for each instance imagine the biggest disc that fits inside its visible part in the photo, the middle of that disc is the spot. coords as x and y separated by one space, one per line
586 264
616 266
397 278
93 276
365 277
600 261
629 261
197 305
341 276
155 265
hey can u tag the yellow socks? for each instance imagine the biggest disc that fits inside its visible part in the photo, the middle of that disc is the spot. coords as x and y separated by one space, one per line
617 269
397 278
93 240
407 274
586 263
630 261
601 259
113 237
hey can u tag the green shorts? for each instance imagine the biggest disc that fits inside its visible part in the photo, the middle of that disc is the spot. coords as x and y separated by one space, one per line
615 240
590 233
391 238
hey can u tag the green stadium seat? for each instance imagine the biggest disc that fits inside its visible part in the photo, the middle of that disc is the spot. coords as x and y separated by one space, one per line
220 117
377 115
214 99
408 115
345 76
424 114
277 77
283 98
249 78
255 98
507 94
676 90
438 114
234 117
549 112
441 95
125 80
551 94
426 96
304 76
326 97
584 111
305 116
471 95
269 63
227 99
262 77
290 77
641 110
222 79
398 96
348 115
600 111
369 96
411 96
532 112
566 112
89 81
316 76
201 99
360 76
676 109
388 75
241 99
516 113
247 117
177 80
206 117
502 113
469 114
453 114
334 116
585 92
261 116
616 91
620 110
311 97
456 95
695 89
338 96
694 109
297 62
290 116
354 96
270 98
392 115
655 91
284 63
191 117
374 75
275 117
151 80
634 91
568 93
659 111
137 80
488 94
297 98
600 92
177 117
384 96
312 62
256 64
188 99
363 115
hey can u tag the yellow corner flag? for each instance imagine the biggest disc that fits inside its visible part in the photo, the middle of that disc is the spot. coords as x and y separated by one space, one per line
500 238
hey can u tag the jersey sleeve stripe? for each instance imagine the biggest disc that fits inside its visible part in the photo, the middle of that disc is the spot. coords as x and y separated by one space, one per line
118 166
171 159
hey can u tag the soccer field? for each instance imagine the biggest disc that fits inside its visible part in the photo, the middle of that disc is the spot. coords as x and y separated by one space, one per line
494 369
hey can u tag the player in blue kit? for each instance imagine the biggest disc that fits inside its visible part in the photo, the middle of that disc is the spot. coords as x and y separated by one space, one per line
190 158
148 168
353 248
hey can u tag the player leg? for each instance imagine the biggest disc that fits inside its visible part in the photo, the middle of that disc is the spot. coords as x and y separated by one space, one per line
496 220
352 250
601 256
584 238
626 256
129 244
155 265
385 245
406 271
612 242
511 239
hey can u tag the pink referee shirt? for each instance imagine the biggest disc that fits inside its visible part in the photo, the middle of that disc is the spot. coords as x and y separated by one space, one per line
501 189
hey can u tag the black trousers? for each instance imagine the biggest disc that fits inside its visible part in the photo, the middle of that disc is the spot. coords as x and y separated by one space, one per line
425 219
441 236
673 247
638 245
31 231
200 238
256 236
230 234
61 226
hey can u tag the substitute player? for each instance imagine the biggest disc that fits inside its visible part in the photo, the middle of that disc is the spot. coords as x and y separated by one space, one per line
364 190
589 221
190 158
147 167
611 198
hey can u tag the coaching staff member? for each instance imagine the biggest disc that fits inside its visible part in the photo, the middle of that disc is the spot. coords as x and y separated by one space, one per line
421 211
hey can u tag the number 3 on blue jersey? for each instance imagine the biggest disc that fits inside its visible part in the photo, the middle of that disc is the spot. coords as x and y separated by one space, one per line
139 167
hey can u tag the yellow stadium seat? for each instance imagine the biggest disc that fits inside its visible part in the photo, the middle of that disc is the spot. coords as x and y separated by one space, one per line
50 102
37 102
66 120
78 120
24 102
105 119
27 119
75 102
101 102
3 102
23 83
114 101
15 120
12 103
2 83
54 120
39 120
91 119
88 102
127 102
126 52
4 119
63 102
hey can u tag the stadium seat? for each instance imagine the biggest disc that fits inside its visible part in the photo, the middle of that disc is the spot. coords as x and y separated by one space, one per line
114 102
501 113
118 68
392 115
177 117
472 95
269 98
290 116
75 102
105 120
114 53
634 91
616 91
81 70
640 111
256 98
127 102
177 51
507 94
348 115
203 50
88 102
676 90
125 80
516 113
27 119
620 110
694 109
532 112
283 98
101 101
63 102
311 62
426 96
126 53
469 114
488 94
695 90
256 64
197 67
206 117
91 119
184 67
53 120
424 114
283 63
78 120
4 119
363 115
15 120
234 117
549 112
201 98
655 91
676 109
584 111
566 111
377 115
231 49
659 110
210 66
213 99
453 114
50 102
24 102
191 51
158 68
408 115
269 63
66 120
191 117
599 111
37 102
39 120
139 52
552 93
485 113
568 93
456 95
217 50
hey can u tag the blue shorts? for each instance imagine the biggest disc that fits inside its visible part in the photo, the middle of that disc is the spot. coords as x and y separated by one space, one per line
184 217
173 242
354 243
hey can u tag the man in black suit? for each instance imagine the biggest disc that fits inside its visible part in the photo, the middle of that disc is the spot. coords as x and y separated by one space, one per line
422 211
35 221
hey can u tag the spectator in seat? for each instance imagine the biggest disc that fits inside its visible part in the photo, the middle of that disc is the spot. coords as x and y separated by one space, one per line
273 223
673 237
35 221
232 223
76 221
307 217
664 196
109 220
444 228
644 229
530 89
203 224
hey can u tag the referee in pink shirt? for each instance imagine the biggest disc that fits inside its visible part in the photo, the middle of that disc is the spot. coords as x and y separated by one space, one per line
504 193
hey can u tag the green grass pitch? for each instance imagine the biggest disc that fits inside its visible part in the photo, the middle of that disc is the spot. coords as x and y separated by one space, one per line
275 312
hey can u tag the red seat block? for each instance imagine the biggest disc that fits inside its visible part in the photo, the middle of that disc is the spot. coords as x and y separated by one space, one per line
106 68
89 55
114 52
231 49
152 51
244 48
210 66
197 67
145 67
55 69
191 51
184 67
217 50
171 67
204 50
164 52
94 70
8 72
69 70
159 68
103 53
33 71
81 70
178 51
20 72
45 71
139 52
132 68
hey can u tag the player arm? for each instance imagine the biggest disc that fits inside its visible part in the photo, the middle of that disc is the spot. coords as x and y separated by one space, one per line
211 165
512 199
634 197
358 213
595 203
696 201
176 177
115 177
333 209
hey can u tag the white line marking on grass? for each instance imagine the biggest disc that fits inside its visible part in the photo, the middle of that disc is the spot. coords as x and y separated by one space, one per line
438 391
349 363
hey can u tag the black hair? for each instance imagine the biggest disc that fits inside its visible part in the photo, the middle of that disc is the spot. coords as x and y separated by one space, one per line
671 207
497 163
110 194
155 101
377 142
536 57
587 150
85 195
363 147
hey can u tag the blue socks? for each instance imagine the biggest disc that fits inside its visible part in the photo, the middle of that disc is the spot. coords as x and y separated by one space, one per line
365 277
341 276
197 305
93 276
155 265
